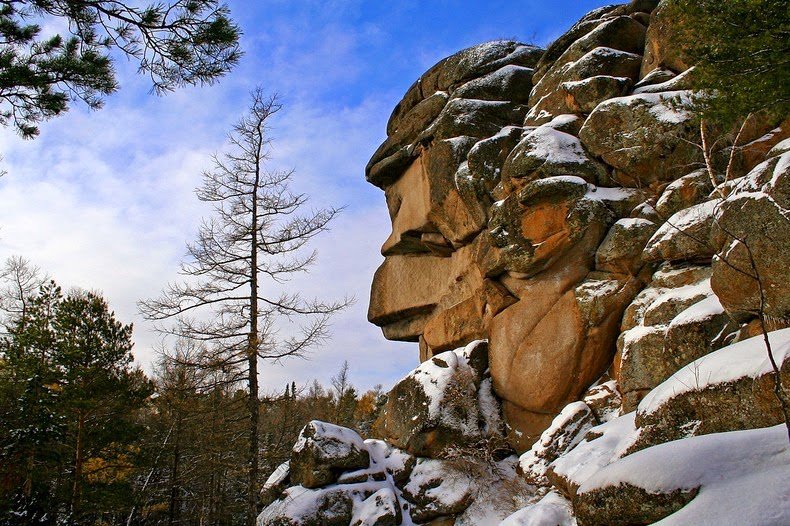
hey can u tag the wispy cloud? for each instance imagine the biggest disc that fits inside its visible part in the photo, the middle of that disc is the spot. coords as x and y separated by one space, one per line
104 200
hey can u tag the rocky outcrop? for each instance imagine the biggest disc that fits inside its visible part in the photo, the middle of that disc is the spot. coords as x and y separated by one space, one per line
555 204
533 194
444 403
453 463
322 452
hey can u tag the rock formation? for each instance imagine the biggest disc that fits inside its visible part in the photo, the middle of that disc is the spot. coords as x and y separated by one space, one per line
554 204
533 194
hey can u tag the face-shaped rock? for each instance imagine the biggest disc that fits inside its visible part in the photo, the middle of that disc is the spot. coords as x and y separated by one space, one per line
495 227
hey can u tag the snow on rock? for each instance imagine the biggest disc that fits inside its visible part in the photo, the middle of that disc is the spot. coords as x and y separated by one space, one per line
552 510
436 488
321 450
436 406
490 408
746 359
604 400
301 506
727 390
676 83
499 491
684 236
380 509
666 106
601 446
565 432
276 483
548 152
552 146
643 137
700 311
385 460
724 478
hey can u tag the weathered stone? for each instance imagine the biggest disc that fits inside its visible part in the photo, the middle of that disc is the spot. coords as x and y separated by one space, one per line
587 23
307 507
548 97
679 274
759 136
673 303
465 65
387 170
562 334
684 236
584 95
524 427
752 233
681 82
622 37
657 76
411 126
436 488
276 484
380 509
473 118
662 45
435 283
546 152
486 158
684 192
603 400
621 249
546 221
644 137
508 83
467 320
566 430
701 399
626 504
434 407
322 451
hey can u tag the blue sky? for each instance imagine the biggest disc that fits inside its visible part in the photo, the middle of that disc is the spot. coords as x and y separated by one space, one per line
104 200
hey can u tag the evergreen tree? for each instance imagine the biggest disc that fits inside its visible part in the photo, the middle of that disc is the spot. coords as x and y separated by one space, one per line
72 406
176 43
739 49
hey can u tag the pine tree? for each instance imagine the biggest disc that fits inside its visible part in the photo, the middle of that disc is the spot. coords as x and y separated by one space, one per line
739 49
177 43
72 404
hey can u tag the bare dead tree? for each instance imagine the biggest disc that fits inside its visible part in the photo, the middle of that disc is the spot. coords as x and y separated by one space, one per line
710 149
257 236
20 282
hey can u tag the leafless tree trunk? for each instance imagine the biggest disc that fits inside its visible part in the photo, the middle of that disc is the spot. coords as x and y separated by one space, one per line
259 231
751 273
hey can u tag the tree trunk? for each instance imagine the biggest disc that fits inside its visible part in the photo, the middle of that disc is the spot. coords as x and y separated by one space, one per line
252 360
78 461
172 516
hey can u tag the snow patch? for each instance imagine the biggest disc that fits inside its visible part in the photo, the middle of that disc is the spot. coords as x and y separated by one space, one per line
552 510
610 442
746 359
740 474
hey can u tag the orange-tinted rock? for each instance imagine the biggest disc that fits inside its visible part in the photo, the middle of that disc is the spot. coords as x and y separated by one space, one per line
752 238
645 137
524 427
661 45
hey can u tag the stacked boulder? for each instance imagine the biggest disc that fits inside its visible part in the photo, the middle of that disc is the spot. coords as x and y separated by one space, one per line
444 460
557 204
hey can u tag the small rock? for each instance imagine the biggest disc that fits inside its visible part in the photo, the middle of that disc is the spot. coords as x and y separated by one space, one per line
323 451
